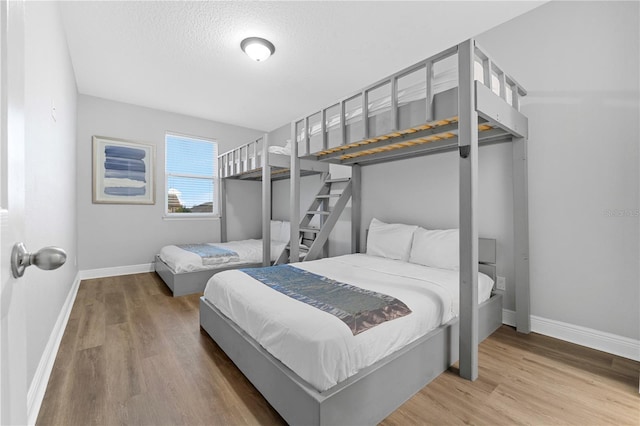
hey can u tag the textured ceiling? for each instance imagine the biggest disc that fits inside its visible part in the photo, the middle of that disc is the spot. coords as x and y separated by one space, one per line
185 57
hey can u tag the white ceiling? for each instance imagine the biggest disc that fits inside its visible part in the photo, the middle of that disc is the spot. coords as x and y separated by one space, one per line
185 57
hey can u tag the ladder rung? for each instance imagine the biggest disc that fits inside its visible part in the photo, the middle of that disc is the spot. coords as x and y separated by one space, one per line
320 212
314 230
337 180
328 196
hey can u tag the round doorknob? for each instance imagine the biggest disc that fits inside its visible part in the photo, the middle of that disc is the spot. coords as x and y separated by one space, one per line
47 258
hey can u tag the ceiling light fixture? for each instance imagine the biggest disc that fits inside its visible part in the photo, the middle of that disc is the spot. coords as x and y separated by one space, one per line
257 48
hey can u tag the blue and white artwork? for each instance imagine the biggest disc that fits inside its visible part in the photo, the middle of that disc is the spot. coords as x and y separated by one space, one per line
122 171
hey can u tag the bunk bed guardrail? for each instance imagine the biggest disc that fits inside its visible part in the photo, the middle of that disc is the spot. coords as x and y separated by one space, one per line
411 112
250 157
248 160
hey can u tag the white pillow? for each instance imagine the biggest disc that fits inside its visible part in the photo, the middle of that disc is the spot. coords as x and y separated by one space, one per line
437 249
392 241
285 231
276 229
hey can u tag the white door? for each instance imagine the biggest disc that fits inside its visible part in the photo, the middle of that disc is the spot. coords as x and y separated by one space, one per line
13 348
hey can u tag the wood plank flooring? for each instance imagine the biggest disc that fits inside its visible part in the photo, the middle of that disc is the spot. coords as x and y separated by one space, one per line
133 355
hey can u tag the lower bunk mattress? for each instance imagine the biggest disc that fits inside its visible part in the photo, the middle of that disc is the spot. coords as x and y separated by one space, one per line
182 259
317 345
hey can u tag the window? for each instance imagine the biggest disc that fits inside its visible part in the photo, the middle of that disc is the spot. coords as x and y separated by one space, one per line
191 171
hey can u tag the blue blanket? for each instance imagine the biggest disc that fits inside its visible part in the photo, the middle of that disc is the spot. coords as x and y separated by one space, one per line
210 254
358 308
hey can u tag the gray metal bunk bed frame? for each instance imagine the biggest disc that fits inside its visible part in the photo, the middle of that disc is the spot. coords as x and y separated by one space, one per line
245 162
375 392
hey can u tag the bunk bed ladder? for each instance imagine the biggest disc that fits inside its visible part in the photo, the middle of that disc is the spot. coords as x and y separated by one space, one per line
320 206
328 217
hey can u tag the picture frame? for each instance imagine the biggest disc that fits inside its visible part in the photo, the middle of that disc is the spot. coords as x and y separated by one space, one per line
123 171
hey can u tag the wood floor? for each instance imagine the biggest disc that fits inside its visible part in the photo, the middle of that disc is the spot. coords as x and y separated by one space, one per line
133 355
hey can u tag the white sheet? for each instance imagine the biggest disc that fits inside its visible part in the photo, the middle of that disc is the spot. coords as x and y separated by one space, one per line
249 251
276 149
319 347
286 149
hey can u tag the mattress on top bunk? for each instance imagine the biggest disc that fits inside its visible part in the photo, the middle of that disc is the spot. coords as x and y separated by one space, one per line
318 346
249 251
277 149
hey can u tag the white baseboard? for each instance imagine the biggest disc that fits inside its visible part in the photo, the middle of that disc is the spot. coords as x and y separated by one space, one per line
38 386
594 339
115 271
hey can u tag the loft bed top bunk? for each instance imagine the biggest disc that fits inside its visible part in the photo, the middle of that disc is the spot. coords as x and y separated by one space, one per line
247 162
413 112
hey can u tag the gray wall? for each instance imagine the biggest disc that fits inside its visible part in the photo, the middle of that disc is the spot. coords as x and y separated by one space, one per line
424 191
113 235
50 201
579 62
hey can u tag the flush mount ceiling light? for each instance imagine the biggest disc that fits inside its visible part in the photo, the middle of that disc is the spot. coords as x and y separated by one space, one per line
257 48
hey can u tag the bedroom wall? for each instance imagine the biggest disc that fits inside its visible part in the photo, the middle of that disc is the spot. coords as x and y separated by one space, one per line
111 235
51 171
579 63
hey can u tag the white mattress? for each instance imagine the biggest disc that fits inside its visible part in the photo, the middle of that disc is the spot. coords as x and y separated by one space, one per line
319 347
276 149
249 251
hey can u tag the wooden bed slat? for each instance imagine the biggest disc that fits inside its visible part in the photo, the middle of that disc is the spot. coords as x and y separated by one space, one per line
388 136
413 142
439 136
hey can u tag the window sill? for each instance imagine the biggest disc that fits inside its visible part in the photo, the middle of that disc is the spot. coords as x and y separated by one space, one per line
191 216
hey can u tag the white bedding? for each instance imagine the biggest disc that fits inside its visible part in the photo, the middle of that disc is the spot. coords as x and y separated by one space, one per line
319 347
276 149
249 251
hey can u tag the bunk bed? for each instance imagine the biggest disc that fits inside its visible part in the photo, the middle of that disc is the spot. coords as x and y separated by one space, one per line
258 161
183 272
387 121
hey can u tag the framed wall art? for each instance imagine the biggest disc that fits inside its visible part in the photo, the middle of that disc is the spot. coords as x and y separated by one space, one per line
123 172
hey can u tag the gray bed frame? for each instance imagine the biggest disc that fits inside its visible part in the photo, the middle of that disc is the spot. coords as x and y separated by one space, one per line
185 283
364 398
